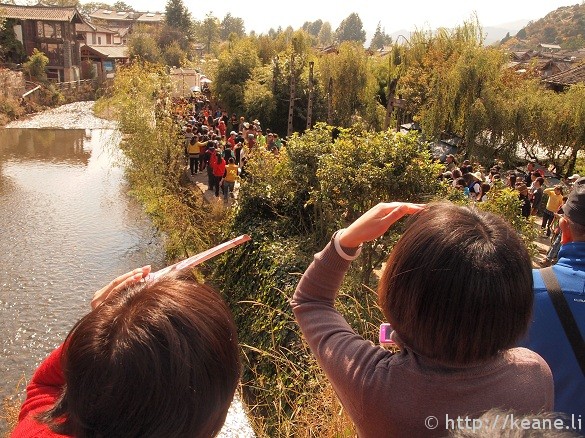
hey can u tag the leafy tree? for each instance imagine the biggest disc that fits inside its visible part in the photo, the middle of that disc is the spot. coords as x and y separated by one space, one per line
325 36
143 46
521 35
231 25
88 8
36 65
259 99
178 16
550 33
235 66
11 50
171 35
122 6
380 39
351 29
208 31
174 55
354 85
313 27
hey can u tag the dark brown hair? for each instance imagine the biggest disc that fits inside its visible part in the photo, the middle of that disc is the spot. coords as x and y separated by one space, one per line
457 286
158 360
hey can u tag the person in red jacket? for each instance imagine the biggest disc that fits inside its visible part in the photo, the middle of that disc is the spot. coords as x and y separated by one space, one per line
154 358
218 171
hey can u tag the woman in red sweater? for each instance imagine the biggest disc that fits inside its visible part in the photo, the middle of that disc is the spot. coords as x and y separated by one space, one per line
152 359
218 171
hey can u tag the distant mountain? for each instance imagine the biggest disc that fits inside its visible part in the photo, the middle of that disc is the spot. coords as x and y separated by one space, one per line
492 33
497 33
564 26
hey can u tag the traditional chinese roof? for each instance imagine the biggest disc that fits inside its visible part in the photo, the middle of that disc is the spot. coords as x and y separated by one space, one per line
130 16
568 77
109 51
45 13
108 14
151 17
91 27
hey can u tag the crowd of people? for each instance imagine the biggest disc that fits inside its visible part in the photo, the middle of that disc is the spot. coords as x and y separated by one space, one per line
219 144
530 184
476 328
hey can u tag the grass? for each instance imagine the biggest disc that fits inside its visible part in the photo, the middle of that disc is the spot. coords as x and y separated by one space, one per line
11 407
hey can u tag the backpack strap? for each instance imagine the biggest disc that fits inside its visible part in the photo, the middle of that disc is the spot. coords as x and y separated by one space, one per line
565 315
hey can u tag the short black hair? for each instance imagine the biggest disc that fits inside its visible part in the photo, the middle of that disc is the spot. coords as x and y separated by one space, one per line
457 286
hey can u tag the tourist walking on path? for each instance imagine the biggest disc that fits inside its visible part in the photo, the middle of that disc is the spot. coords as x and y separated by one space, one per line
218 171
554 202
229 181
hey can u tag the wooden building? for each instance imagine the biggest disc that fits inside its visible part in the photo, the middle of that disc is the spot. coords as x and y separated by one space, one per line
51 30
100 62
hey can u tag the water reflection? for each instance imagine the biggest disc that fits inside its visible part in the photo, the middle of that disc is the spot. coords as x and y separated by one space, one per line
67 228
45 144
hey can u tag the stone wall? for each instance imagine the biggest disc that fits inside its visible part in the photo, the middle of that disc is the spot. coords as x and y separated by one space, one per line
11 83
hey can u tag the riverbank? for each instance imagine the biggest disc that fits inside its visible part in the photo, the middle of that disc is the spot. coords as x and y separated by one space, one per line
65 139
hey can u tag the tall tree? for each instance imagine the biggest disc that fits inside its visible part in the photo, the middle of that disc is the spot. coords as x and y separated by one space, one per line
325 36
11 50
313 27
234 68
207 31
380 39
231 25
354 85
177 16
90 7
351 29
122 6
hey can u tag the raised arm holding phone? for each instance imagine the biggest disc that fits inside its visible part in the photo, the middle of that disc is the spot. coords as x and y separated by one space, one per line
457 289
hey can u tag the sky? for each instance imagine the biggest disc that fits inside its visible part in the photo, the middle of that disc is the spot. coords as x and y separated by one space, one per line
261 15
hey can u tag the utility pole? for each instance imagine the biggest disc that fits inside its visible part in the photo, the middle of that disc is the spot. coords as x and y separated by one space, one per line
291 105
310 104
329 102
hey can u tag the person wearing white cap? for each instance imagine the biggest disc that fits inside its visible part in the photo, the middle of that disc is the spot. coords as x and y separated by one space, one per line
558 321
571 180
232 139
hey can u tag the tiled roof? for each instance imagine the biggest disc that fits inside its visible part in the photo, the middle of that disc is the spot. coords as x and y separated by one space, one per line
151 17
47 13
568 77
90 27
108 14
110 51
143 17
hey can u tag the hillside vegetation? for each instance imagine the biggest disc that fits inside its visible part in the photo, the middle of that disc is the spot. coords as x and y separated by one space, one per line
564 26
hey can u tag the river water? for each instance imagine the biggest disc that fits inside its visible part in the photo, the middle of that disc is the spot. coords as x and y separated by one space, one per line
67 227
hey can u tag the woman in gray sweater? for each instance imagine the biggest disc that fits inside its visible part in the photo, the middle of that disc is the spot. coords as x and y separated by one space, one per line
457 289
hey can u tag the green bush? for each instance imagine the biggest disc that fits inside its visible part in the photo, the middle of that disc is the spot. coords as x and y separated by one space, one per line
36 65
291 205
